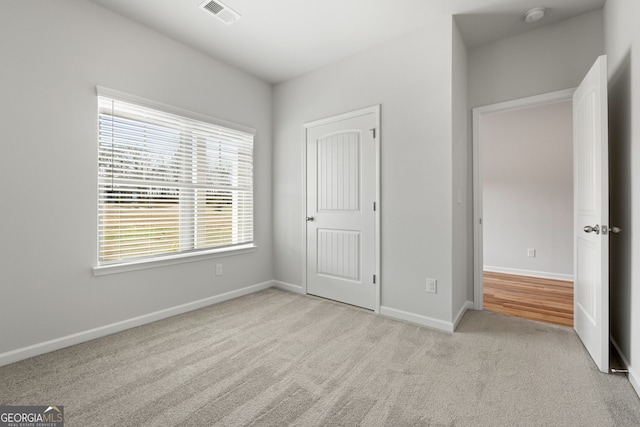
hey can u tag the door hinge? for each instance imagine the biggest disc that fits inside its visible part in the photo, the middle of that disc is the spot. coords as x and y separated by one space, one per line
374 132
374 279
374 206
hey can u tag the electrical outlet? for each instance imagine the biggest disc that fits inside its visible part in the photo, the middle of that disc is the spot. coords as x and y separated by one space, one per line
218 269
432 286
531 253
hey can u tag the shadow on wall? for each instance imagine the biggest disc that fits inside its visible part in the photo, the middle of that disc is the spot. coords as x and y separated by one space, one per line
620 204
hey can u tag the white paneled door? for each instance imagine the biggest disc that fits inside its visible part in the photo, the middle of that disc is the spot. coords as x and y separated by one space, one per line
340 211
591 214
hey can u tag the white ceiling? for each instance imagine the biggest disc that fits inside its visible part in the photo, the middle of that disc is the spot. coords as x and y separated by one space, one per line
280 39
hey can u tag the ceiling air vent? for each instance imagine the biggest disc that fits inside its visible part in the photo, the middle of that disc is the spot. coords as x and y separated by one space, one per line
220 11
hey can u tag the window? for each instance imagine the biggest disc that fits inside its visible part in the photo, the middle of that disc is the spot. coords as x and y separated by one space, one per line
169 184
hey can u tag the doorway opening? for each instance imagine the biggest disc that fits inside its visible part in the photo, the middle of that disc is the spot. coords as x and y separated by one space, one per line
523 153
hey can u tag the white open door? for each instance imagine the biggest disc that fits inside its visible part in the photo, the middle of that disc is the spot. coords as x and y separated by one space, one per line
341 216
591 214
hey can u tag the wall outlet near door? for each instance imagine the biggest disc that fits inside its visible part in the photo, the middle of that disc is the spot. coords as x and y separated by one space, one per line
218 269
531 253
432 286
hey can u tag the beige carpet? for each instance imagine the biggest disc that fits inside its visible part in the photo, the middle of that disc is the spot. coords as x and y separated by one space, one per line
275 358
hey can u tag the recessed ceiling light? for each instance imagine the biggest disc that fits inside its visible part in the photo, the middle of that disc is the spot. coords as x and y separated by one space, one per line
535 14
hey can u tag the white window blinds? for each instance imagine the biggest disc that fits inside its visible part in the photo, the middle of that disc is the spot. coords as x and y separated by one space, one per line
169 184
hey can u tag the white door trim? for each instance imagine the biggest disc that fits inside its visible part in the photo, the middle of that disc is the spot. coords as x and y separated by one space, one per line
478 114
375 109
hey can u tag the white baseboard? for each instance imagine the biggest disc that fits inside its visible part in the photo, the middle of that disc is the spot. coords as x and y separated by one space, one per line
530 273
296 289
418 319
80 337
634 379
466 306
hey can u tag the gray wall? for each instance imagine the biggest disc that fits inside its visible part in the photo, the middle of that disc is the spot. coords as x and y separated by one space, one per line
54 54
622 35
411 77
462 179
544 60
527 177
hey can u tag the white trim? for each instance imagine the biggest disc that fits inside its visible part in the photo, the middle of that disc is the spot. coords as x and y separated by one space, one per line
530 273
143 264
88 335
634 379
478 114
468 305
377 231
304 209
375 110
296 289
149 103
528 102
418 319
478 258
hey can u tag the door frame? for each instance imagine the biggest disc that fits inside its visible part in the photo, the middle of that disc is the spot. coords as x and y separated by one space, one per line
375 110
478 114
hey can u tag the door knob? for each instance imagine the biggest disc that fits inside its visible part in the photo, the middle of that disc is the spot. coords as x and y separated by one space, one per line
616 230
310 219
590 229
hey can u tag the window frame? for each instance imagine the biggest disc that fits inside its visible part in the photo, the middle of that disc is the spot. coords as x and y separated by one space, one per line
152 261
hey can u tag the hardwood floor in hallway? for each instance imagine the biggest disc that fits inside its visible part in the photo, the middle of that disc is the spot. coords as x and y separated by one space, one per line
533 298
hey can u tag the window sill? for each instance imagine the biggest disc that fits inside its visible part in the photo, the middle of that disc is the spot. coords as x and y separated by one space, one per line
103 270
